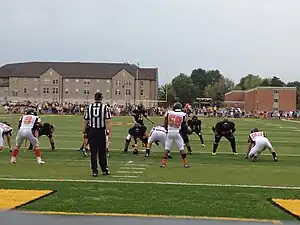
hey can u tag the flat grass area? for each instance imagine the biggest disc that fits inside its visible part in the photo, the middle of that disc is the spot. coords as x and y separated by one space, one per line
208 188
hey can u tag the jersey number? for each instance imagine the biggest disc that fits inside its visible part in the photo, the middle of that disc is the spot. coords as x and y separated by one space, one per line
96 111
175 121
27 120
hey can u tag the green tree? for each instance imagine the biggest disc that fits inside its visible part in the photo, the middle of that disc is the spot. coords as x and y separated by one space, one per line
265 82
184 88
297 85
277 82
217 90
249 81
166 93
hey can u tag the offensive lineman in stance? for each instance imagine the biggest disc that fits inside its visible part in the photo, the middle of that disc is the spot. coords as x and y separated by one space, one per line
28 125
225 129
174 120
158 135
258 142
5 131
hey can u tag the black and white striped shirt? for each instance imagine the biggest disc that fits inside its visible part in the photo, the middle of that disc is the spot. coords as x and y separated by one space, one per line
96 114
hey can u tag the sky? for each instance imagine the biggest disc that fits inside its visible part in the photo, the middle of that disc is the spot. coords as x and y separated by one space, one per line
237 37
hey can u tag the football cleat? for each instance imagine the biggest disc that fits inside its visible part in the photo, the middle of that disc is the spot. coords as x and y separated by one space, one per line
186 166
13 160
214 153
162 165
235 153
203 145
40 162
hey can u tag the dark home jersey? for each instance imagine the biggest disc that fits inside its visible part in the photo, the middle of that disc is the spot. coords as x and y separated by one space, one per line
46 129
195 125
138 115
224 128
136 132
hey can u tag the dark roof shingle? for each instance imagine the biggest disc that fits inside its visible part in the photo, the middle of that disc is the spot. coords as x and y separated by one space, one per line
75 70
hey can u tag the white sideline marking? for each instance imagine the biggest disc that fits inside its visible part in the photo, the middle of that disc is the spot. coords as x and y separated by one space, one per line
153 182
137 165
127 171
132 168
294 121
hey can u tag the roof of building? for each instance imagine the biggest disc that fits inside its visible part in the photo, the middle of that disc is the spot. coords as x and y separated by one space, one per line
76 70
261 88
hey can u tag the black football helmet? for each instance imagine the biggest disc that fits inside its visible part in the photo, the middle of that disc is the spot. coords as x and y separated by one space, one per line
194 118
254 130
31 112
177 106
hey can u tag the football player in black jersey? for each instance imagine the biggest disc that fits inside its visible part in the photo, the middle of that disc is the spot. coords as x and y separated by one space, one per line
137 133
184 132
46 129
138 118
195 125
225 129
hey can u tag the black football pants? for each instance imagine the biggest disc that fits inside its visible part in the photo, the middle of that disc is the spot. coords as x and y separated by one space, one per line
97 141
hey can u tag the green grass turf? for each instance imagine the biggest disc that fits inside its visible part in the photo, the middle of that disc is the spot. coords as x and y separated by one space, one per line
67 163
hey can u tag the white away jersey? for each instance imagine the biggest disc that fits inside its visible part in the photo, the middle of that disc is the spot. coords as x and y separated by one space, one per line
29 121
159 128
256 135
5 128
174 120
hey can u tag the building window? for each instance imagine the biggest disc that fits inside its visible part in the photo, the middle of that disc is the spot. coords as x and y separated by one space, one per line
128 82
25 81
118 82
275 100
142 92
127 91
35 80
46 90
25 90
77 80
276 91
66 80
15 93
50 73
54 90
142 83
66 91
108 81
98 81
117 92
55 81
107 91
46 81
86 91
35 89
77 90
5 89
86 82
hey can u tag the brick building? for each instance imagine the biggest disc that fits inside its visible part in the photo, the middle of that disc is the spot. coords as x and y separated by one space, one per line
263 99
77 82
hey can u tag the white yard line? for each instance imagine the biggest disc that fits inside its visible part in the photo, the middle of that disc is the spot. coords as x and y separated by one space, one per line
129 171
153 182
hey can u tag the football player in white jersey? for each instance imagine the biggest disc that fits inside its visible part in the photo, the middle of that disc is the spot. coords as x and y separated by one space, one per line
28 125
5 131
174 119
157 134
258 142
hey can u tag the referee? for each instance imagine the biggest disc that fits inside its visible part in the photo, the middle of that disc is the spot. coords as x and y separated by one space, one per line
98 117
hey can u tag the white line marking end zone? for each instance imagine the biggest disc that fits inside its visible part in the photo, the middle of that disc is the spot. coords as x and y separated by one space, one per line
153 182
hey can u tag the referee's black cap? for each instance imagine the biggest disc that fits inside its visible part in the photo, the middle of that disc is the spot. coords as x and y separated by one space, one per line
98 96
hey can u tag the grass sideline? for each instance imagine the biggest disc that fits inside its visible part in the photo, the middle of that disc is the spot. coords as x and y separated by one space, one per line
210 188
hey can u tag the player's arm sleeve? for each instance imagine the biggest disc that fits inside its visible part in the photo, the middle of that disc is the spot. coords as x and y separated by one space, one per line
189 123
166 121
86 115
214 128
233 128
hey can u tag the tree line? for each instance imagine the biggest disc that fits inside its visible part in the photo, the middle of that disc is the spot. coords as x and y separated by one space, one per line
212 84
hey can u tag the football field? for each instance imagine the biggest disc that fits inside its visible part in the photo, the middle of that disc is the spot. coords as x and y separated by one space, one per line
224 185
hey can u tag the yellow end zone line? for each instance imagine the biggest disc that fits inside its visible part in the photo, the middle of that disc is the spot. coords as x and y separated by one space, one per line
151 216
